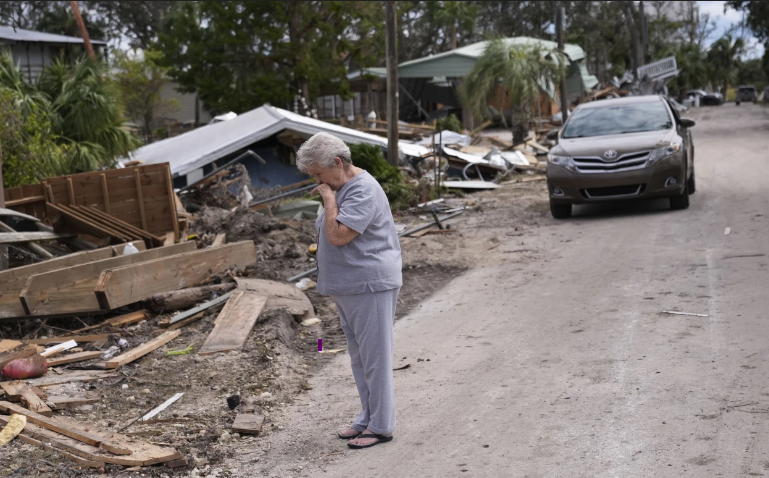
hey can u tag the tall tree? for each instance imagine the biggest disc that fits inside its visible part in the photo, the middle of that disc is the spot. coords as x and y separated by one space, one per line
240 55
634 29
457 15
511 74
723 58
757 18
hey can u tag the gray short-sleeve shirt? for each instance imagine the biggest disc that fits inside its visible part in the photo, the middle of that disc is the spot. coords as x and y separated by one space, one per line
372 261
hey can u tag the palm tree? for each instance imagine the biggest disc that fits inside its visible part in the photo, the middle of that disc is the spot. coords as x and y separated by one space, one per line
515 73
83 106
692 68
723 57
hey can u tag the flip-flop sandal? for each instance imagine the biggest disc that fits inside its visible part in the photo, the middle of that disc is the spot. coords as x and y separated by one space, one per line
349 437
380 439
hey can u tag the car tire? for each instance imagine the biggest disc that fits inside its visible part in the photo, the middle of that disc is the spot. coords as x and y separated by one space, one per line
560 211
682 200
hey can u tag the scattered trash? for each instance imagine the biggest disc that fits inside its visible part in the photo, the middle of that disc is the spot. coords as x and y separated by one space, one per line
310 322
183 351
331 351
727 231
70 344
110 352
233 401
130 249
15 425
162 407
683 313
29 367
305 284
122 343
408 365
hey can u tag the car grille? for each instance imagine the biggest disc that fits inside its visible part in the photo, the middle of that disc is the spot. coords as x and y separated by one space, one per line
613 192
626 162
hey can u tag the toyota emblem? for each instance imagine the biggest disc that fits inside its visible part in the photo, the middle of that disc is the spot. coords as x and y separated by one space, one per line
611 154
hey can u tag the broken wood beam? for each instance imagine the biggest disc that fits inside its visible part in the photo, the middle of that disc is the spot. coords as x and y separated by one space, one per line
18 352
279 296
64 403
19 391
219 239
71 290
247 424
76 357
129 284
60 340
182 299
79 376
234 323
119 321
64 429
19 237
142 350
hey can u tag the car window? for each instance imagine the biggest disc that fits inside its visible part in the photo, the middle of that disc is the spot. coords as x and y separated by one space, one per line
618 119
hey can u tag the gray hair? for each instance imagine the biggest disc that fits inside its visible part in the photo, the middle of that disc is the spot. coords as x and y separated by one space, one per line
321 150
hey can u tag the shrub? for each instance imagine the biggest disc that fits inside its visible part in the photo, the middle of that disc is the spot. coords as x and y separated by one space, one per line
450 123
369 157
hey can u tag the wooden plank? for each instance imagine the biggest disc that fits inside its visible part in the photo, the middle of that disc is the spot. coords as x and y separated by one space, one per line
23 201
119 321
65 429
72 358
177 325
140 197
109 229
142 453
74 220
247 423
7 344
17 237
219 239
60 340
538 146
142 350
169 239
172 201
162 407
71 191
279 295
125 285
105 192
13 280
52 379
234 323
64 403
72 290
86 212
18 352
30 400
123 226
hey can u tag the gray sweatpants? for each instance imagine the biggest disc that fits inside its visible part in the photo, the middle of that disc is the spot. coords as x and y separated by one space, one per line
367 321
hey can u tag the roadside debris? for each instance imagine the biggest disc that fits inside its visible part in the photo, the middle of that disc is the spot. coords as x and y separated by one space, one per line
13 427
673 312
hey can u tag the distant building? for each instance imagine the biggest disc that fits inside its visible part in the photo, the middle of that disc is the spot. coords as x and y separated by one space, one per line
33 50
184 118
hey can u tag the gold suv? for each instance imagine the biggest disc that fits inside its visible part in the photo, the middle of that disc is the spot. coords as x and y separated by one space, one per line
621 149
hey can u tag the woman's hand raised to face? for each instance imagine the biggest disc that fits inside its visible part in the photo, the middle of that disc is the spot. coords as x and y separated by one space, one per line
324 190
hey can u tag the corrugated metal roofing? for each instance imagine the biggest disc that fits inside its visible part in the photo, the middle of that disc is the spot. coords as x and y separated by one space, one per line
201 146
21 35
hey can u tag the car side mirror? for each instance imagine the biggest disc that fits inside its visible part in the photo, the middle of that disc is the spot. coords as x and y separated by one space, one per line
688 123
553 135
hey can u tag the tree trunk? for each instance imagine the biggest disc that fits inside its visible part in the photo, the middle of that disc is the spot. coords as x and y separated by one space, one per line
628 9
185 298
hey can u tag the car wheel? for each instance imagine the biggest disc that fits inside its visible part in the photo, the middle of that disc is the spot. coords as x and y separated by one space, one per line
682 200
560 211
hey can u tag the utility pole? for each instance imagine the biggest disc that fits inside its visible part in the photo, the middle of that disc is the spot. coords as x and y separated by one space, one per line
83 31
644 33
3 247
559 14
392 85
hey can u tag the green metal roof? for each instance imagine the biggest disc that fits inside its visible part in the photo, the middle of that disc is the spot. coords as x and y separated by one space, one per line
459 62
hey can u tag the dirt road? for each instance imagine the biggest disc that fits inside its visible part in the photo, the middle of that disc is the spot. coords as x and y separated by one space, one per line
564 365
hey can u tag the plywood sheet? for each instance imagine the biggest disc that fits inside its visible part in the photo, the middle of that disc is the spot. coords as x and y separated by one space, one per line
234 323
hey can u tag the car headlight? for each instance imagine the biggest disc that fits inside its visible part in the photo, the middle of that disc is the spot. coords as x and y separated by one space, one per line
562 161
662 153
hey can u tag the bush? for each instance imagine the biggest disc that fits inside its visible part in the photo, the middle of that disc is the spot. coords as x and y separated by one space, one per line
369 157
450 123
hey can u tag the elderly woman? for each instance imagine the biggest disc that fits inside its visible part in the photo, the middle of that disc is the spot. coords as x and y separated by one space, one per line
359 266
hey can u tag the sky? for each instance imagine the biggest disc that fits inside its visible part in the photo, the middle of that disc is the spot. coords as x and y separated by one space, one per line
725 21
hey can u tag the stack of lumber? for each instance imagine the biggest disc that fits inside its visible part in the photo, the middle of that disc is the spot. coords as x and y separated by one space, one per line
97 281
92 221
140 196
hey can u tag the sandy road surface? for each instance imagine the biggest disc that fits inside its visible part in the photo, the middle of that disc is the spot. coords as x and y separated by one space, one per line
564 365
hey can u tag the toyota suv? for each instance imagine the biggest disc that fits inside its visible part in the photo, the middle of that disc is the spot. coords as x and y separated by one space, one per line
619 149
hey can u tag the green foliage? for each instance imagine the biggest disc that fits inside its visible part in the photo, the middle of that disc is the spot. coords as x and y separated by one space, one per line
692 66
510 72
370 157
723 58
757 18
80 105
449 123
29 146
751 72
240 55
140 81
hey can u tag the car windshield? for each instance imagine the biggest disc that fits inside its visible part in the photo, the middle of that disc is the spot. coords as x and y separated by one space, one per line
747 90
618 119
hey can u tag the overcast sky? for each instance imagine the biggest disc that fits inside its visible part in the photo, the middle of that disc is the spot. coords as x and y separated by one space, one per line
727 20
